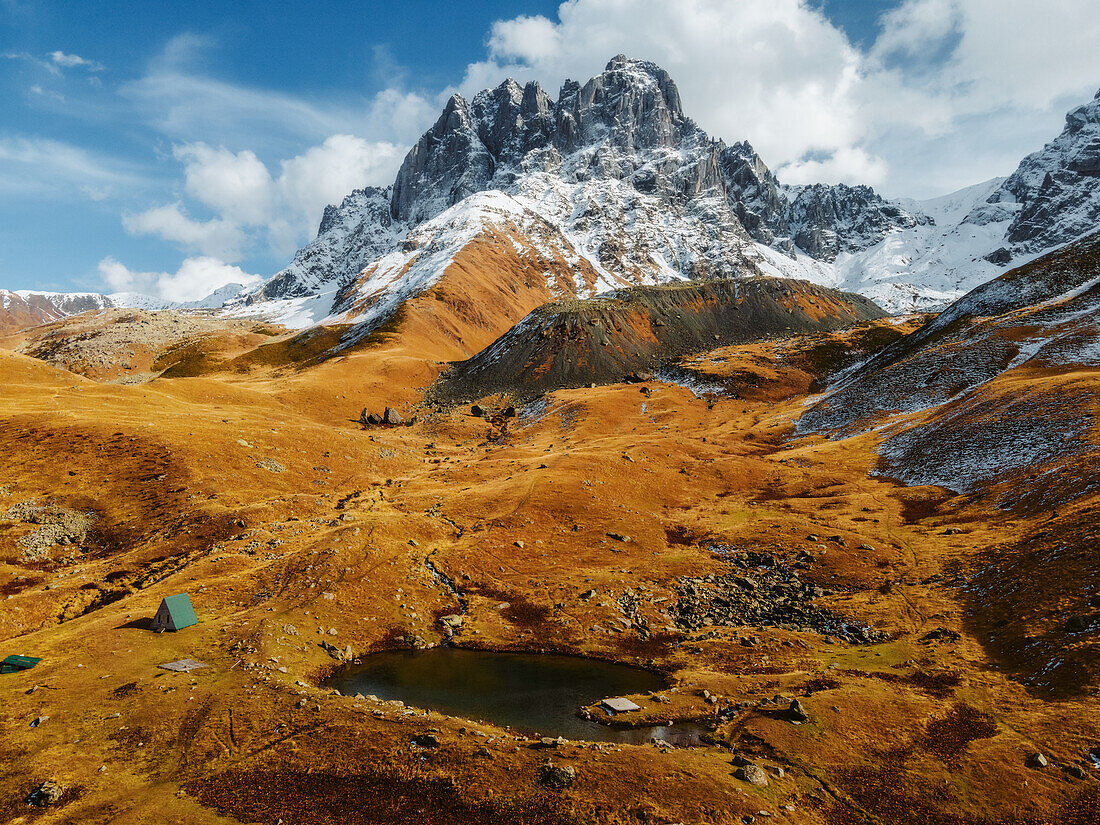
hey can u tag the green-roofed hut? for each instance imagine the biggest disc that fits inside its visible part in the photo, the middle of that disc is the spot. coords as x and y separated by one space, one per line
174 613
15 664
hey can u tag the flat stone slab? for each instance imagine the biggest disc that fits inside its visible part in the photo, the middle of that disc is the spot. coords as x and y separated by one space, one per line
183 665
619 705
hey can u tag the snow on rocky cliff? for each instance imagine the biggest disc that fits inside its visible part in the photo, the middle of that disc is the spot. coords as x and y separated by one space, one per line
628 182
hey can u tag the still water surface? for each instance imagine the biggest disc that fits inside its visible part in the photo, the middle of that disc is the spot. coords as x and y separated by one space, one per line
533 693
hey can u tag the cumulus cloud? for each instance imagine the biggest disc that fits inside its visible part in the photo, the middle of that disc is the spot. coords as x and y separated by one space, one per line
246 198
195 279
218 237
780 74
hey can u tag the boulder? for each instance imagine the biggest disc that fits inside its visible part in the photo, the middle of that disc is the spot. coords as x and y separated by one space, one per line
1076 771
557 777
392 417
753 774
797 712
47 793
1037 760
426 740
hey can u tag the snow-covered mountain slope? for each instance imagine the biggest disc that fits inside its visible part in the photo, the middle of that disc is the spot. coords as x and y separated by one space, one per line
627 182
1057 189
1052 198
985 389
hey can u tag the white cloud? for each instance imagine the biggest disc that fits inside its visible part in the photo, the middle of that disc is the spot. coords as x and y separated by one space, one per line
196 278
240 190
235 185
218 238
846 162
780 74
42 167
69 61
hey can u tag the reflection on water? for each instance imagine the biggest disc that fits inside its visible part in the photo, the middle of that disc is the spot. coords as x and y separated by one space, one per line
532 693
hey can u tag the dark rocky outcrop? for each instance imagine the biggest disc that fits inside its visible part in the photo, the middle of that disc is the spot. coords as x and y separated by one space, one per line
577 343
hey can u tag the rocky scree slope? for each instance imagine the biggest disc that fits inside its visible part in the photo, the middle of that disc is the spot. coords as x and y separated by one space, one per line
1043 317
601 340
630 183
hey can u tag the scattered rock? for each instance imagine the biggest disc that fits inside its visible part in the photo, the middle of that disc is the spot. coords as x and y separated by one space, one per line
1037 760
940 634
1076 771
753 774
557 777
426 740
1079 624
619 537
271 465
47 793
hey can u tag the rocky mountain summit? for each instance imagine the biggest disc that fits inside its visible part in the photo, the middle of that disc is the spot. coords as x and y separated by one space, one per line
630 182
1056 191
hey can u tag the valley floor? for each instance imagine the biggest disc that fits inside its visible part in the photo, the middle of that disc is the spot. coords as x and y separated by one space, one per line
305 540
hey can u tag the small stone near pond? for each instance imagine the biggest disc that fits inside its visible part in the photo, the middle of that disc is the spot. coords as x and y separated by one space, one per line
453 621
619 705
753 774
1037 760
557 777
47 793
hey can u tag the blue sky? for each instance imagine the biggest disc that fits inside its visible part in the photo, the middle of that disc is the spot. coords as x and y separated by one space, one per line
171 147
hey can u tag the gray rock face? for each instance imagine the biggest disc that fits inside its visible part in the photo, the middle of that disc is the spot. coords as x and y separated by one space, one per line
349 237
446 165
827 220
627 124
1057 189
615 165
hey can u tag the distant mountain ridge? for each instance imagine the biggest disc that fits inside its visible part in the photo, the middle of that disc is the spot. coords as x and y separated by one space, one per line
24 308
